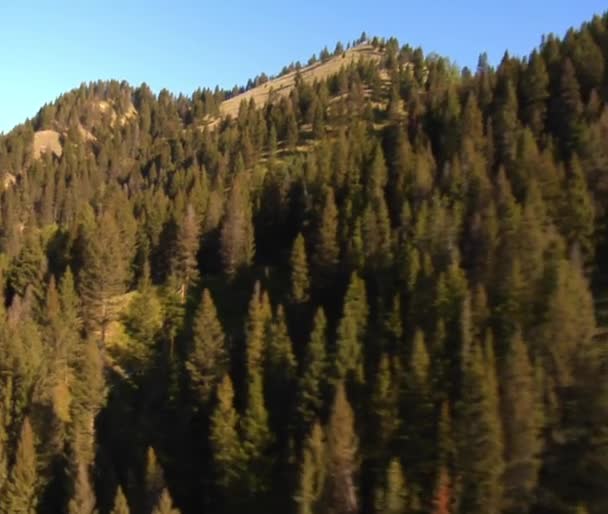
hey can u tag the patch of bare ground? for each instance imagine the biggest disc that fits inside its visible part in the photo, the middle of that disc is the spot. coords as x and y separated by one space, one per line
46 141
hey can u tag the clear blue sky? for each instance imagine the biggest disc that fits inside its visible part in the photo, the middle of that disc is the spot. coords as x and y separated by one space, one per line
48 47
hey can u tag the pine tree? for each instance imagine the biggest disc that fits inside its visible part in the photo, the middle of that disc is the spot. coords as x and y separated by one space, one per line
185 266
568 109
237 237
104 276
208 359
351 331
480 459
83 500
224 438
255 330
89 392
312 473
20 494
327 251
578 211
506 123
535 90
342 448
120 503
521 428
29 268
420 435
442 497
313 381
165 504
300 284
385 405
143 322
393 497
154 479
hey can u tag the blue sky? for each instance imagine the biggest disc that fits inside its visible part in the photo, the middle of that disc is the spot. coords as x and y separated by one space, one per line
48 47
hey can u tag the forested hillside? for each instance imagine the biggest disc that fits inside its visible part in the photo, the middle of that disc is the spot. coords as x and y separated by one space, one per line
381 292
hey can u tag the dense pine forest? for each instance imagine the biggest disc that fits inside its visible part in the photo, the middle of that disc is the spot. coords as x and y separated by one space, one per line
381 291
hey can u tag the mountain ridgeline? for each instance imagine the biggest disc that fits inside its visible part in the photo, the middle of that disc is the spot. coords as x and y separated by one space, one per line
377 287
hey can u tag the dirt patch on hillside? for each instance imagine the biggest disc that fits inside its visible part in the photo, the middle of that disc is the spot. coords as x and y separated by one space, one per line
46 141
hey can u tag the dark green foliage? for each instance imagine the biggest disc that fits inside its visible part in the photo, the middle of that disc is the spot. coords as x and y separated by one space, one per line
19 493
208 358
427 329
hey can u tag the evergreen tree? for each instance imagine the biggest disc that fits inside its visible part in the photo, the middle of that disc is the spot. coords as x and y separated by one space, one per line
568 109
480 460
83 500
154 479
578 211
535 90
224 438
442 497
120 503
104 276
351 331
300 284
165 504
313 380
237 237
522 429
327 251
20 491
143 322
312 474
208 359
342 448
385 405
393 497
185 266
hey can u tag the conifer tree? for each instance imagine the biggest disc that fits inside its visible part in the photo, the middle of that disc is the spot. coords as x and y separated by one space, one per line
300 283
208 358
480 460
535 90
165 504
83 500
419 435
237 237
392 498
29 268
313 380
342 449
327 250
89 393
312 473
256 435
154 479
568 109
351 331
258 314
120 503
224 438
143 322
578 211
20 491
505 124
385 405
104 276
442 496
522 429
185 266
